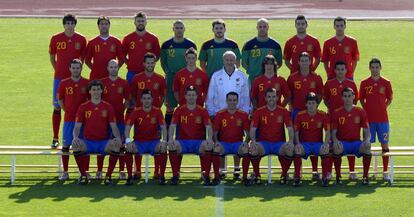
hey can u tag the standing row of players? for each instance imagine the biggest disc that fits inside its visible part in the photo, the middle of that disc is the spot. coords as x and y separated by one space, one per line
219 86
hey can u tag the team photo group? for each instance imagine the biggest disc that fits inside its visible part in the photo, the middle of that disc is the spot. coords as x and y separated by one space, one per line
236 103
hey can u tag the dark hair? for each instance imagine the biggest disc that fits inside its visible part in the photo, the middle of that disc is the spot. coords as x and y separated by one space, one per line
76 61
69 17
149 55
301 17
304 54
190 88
271 90
339 62
269 59
140 14
101 18
191 50
146 91
374 60
94 83
218 22
312 97
347 89
339 19
232 93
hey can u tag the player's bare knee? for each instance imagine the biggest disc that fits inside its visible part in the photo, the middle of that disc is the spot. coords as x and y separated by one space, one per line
243 150
324 150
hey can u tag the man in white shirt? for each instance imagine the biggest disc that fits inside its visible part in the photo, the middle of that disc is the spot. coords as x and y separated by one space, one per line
228 79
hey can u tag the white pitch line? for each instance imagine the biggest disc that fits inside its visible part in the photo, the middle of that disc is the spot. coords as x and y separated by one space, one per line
219 210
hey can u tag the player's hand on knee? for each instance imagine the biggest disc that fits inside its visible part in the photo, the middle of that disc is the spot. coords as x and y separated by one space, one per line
208 146
324 149
338 148
162 147
76 142
117 141
131 148
366 147
299 150
254 149
217 148
289 149
244 149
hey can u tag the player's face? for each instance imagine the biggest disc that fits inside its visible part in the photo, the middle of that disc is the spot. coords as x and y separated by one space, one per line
95 92
271 98
75 70
69 26
140 23
340 27
348 98
229 61
191 59
304 62
375 69
262 29
270 67
311 105
146 100
113 68
104 27
340 71
179 30
301 26
232 101
149 64
191 97
219 30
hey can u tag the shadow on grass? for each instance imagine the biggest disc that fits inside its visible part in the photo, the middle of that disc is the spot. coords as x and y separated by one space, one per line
188 189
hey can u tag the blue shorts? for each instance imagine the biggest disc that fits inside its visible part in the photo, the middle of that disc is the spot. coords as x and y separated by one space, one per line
190 146
129 76
293 114
352 148
231 147
382 130
68 133
56 83
311 148
96 146
271 147
147 147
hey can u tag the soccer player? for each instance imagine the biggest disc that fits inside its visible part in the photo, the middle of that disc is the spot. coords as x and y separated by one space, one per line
70 95
230 125
310 125
101 49
173 60
212 50
256 49
137 44
376 96
63 48
116 92
340 47
147 121
191 122
347 123
269 79
299 43
269 123
95 117
190 75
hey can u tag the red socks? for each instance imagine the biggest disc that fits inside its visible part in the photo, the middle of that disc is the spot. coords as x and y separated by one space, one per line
351 163
175 161
129 161
285 164
162 163
245 165
314 161
366 161
385 160
326 163
297 160
65 162
100 161
121 162
206 160
82 162
216 165
256 166
112 163
337 160
138 160
56 117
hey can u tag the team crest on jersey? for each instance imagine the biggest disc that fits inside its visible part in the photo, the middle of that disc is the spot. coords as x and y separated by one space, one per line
148 46
77 46
309 48
347 49
198 120
153 120
198 81
120 89
382 90
239 122
104 113
319 125
83 90
312 84
279 119
357 120
113 48
156 86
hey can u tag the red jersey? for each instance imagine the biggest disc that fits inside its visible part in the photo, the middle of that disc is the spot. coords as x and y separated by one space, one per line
231 127
295 46
270 124
376 94
65 50
345 50
116 93
333 92
146 124
262 83
349 124
135 47
191 124
95 119
185 78
155 83
300 86
101 51
311 128
73 94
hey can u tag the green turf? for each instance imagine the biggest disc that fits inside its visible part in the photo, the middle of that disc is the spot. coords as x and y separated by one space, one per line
25 111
